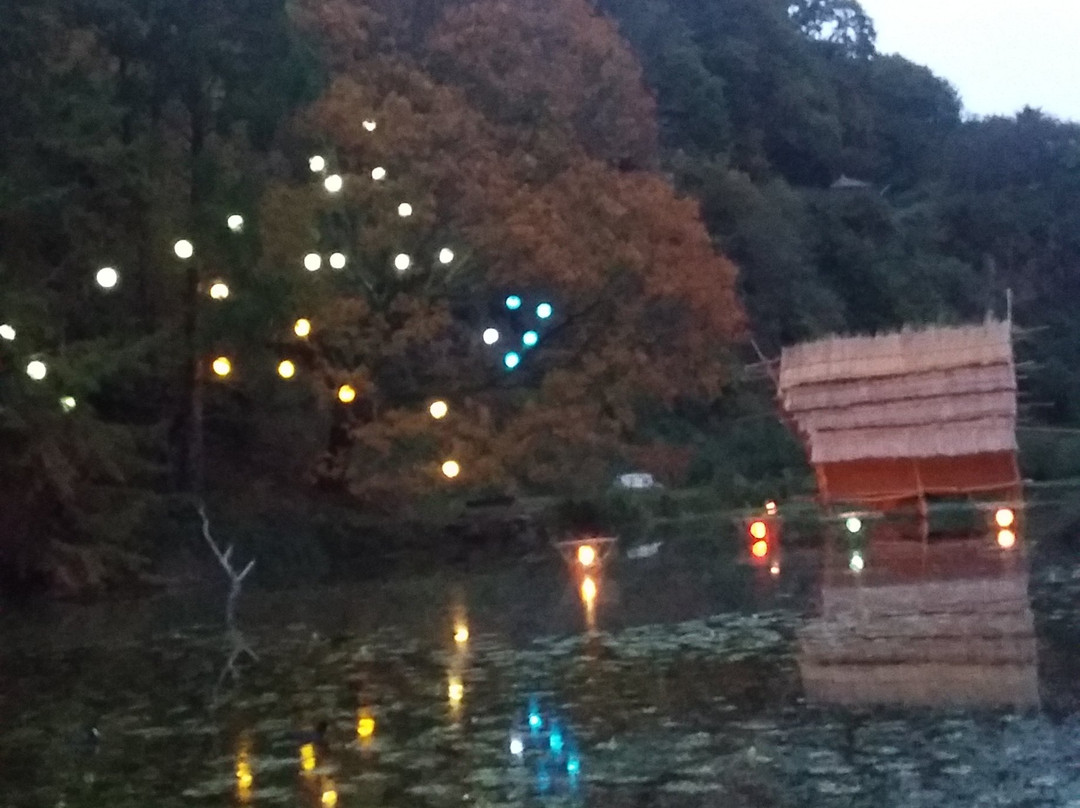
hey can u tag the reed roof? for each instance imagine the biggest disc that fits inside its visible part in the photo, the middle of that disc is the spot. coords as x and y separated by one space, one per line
934 392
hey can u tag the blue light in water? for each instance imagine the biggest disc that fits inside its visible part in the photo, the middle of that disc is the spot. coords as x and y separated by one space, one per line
535 721
555 740
573 765
543 780
530 338
544 310
513 302
511 360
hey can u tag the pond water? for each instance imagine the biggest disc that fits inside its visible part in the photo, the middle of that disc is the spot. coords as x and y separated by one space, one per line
677 685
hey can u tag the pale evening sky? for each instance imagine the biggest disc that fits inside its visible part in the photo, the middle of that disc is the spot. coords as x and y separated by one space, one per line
999 54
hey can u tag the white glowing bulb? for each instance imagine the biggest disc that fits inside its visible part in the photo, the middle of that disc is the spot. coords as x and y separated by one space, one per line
446 255
853 524
107 277
378 174
235 222
219 291
338 260
402 262
36 370
184 249
370 125
517 747
333 183
312 262
404 210
68 403
7 332
317 163
491 336
451 469
439 410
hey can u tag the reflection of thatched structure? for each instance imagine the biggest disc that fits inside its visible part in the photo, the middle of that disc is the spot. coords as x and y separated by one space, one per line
904 415
941 624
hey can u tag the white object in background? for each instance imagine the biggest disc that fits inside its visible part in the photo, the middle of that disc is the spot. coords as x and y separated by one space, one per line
644 551
637 480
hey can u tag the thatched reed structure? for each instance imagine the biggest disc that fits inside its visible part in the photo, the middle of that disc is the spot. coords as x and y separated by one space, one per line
902 416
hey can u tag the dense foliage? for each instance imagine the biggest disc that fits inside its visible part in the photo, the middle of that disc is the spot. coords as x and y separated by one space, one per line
601 157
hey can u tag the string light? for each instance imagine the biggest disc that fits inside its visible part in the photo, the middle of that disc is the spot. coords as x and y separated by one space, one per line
439 410
329 797
853 524
346 394
370 125
222 366
107 278
544 311
312 262
517 747
338 261
586 555
1005 517
184 249
219 291
451 469
286 369
530 338
402 262
68 403
317 163
770 508
461 634
513 302
378 173
302 328
404 210
235 222
1006 539
7 332
491 336
333 183
37 370
446 255
512 360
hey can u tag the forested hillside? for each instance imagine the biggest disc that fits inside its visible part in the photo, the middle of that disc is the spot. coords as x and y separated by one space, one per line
316 214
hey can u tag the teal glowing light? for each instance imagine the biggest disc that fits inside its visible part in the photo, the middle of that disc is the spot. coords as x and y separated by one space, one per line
512 360
573 765
535 721
544 310
513 302
530 338
555 740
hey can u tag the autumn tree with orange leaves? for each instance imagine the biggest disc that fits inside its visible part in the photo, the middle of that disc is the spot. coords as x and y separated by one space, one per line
523 139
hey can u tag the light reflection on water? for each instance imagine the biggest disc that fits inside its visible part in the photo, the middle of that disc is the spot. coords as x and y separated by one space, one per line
673 684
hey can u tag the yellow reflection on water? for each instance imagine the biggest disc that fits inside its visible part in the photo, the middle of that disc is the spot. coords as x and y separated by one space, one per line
365 726
589 590
308 760
456 690
244 777
329 795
